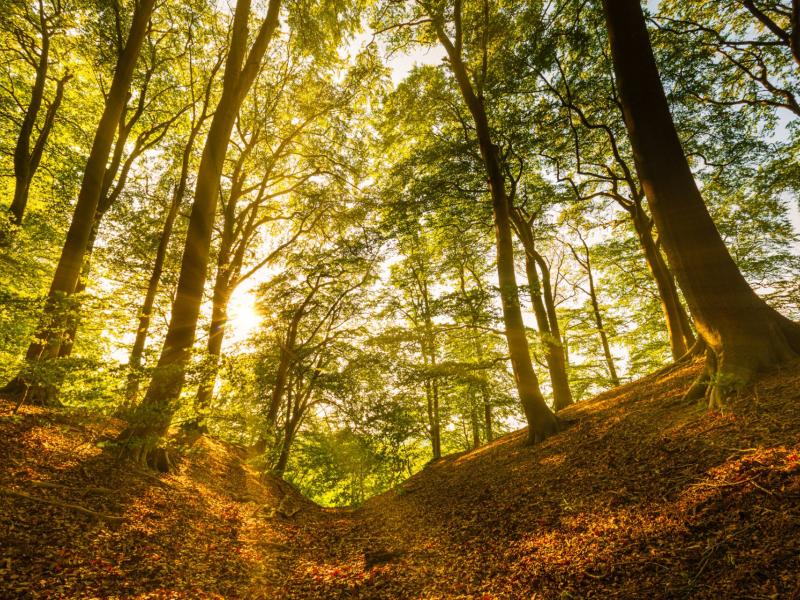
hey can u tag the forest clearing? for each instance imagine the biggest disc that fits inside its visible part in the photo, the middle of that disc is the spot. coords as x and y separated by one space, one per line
399 299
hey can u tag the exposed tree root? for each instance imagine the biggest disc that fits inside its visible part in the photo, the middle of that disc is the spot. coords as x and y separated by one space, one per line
547 425
58 486
75 507
733 367
145 451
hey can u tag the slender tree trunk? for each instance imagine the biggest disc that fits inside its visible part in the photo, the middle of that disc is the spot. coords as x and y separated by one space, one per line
216 335
541 420
152 417
601 330
743 334
431 419
47 339
436 425
23 173
292 419
556 365
432 384
488 425
474 420
145 313
284 362
675 317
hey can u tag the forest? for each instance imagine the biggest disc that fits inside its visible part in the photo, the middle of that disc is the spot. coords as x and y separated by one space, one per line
399 298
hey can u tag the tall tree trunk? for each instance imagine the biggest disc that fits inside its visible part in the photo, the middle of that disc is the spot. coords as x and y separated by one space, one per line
73 317
679 330
601 330
743 334
216 335
436 425
143 328
228 268
488 422
47 339
597 315
296 404
431 383
286 446
152 417
541 420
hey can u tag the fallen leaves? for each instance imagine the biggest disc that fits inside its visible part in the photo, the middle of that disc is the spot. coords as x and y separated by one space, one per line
639 498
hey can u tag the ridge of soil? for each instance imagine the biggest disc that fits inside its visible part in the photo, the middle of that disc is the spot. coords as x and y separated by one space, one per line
642 496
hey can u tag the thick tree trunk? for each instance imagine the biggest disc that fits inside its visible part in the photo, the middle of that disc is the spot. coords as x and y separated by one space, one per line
143 328
47 339
152 417
679 330
541 420
228 268
286 446
741 331
73 318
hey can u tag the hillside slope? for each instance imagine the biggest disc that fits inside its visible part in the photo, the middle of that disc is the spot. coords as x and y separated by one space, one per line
642 496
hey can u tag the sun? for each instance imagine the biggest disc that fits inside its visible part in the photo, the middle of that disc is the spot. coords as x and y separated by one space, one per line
243 316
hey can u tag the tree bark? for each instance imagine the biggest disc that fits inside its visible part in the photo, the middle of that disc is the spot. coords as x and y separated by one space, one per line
742 332
152 417
541 420
474 420
47 339
676 320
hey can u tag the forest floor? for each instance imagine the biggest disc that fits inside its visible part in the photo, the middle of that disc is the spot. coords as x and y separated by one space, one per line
642 496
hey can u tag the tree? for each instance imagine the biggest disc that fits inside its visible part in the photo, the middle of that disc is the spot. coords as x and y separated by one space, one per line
541 421
47 340
153 415
271 201
744 335
48 22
